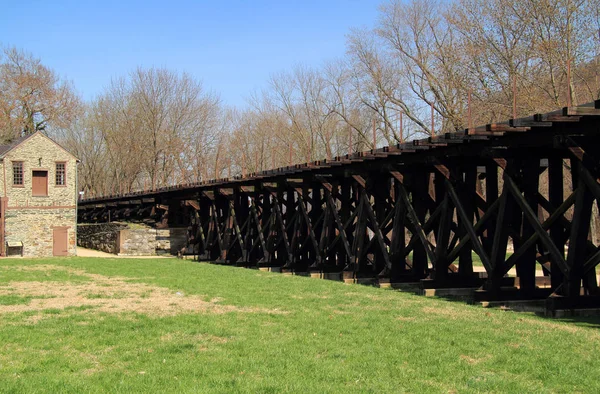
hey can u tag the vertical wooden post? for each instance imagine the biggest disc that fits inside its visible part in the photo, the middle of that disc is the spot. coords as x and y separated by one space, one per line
527 262
580 226
491 195
465 265
420 193
398 242
443 231
346 201
557 234
316 210
380 195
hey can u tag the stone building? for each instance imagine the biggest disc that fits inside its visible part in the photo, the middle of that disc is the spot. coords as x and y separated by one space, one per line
38 207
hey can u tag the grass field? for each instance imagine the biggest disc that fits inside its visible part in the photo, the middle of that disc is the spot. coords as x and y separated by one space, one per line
109 325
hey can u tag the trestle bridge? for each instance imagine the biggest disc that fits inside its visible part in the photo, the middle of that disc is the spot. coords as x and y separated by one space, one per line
505 209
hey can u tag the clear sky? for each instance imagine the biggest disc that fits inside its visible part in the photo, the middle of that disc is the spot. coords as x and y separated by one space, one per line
232 46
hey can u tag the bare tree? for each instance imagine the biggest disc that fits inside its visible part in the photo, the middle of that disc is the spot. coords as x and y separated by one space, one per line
158 127
32 96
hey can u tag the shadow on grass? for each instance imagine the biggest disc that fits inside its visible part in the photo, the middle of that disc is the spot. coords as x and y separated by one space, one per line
582 321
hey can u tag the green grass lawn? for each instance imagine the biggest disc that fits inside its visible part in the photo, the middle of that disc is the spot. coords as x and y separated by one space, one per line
167 325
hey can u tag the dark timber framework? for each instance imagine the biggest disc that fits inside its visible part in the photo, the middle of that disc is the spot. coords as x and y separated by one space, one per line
413 212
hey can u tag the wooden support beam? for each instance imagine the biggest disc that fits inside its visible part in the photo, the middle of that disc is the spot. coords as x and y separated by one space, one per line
311 233
377 231
577 241
557 233
260 229
413 217
281 223
338 223
468 226
548 223
555 255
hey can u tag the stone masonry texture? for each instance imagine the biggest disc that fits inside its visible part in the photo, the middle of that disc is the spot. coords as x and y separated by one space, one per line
31 219
131 240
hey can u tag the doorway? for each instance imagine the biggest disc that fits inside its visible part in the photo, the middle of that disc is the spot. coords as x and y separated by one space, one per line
60 244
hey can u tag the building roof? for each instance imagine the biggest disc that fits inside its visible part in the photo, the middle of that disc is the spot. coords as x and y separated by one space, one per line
8 147
4 149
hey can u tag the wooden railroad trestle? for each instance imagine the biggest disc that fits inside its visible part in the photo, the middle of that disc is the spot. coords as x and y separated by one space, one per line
413 212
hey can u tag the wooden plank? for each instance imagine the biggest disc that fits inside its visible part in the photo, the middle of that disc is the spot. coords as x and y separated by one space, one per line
360 180
581 111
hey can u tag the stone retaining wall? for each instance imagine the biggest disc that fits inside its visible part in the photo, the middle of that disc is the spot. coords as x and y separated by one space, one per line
131 240
102 236
151 241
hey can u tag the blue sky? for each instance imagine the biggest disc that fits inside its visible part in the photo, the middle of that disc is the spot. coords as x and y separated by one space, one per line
232 46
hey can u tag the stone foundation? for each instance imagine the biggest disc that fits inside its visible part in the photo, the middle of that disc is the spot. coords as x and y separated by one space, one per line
32 226
131 239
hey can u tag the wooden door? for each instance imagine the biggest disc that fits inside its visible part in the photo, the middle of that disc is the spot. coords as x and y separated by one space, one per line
60 242
39 183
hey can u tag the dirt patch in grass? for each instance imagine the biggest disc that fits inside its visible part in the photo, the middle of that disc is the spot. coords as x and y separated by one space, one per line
474 360
111 295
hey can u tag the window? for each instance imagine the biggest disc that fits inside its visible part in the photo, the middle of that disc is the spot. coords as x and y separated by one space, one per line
61 174
17 173
39 183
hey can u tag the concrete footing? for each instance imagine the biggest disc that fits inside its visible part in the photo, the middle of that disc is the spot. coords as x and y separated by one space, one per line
458 293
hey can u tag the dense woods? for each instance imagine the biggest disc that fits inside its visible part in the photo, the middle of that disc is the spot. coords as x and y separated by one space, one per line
428 67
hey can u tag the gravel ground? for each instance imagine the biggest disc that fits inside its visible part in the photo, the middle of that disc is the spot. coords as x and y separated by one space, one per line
83 252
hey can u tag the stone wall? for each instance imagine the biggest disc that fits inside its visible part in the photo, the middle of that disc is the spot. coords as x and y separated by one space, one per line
40 153
34 228
151 241
32 220
101 236
131 240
